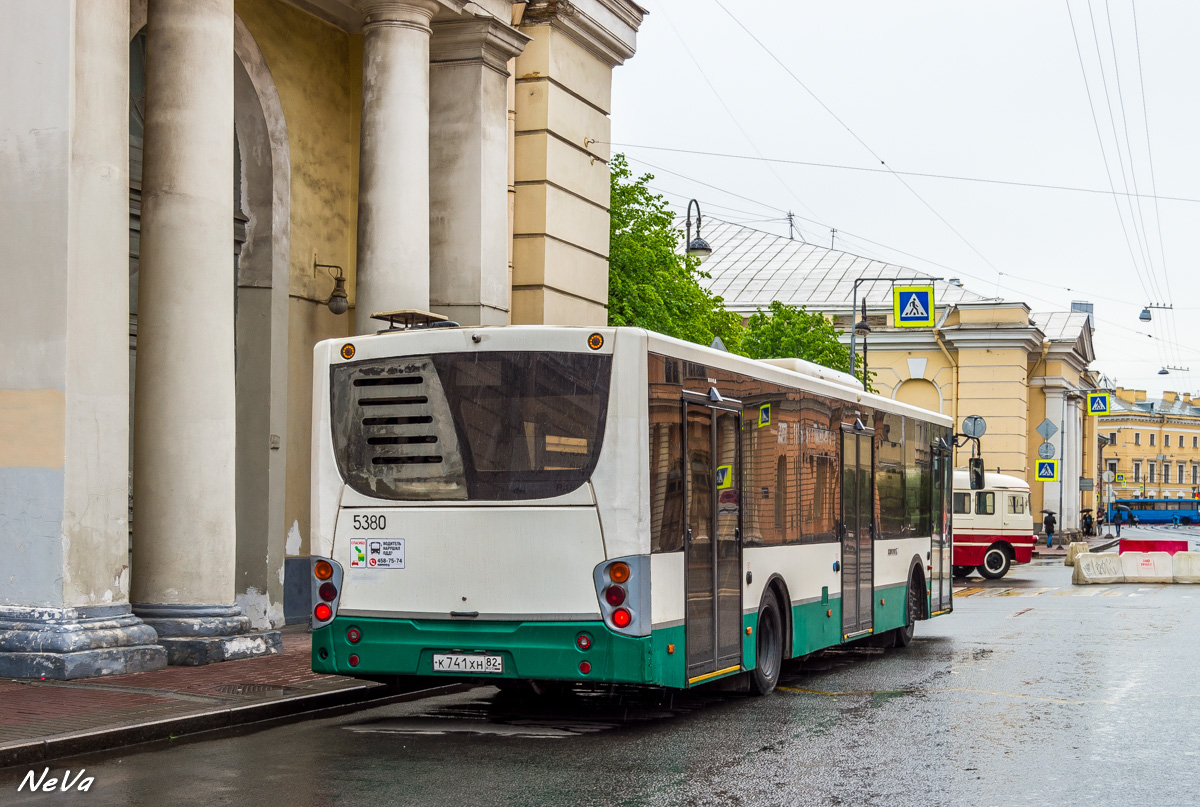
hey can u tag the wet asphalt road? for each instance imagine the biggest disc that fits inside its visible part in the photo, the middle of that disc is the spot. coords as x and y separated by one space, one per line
1033 692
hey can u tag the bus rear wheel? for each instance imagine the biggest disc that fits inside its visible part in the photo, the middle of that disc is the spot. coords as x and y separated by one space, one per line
902 637
769 647
995 562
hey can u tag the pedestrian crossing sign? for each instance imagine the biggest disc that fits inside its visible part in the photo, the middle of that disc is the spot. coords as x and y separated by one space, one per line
1047 471
1120 479
1098 403
764 415
913 306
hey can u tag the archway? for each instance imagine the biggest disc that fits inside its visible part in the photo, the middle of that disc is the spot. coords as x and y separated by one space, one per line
919 392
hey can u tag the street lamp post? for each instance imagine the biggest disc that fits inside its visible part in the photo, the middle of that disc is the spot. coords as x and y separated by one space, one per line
862 329
698 248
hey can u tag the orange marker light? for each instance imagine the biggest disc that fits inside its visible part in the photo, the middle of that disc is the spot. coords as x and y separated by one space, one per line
323 569
749 631
670 649
618 572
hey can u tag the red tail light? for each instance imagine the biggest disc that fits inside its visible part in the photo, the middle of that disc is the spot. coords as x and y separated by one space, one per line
585 667
621 618
353 635
322 612
583 641
328 592
353 661
615 595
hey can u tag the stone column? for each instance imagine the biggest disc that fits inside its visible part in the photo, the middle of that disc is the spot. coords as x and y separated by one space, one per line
469 161
1071 466
393 173
64 407
184 423
1052 491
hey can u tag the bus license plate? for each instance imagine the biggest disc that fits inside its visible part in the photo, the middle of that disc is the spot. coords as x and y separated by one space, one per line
463 663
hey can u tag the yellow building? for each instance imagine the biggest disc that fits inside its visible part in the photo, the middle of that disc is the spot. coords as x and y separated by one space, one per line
192 194
985 356
1153 446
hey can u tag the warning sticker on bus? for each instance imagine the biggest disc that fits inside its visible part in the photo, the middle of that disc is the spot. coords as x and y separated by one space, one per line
358 553
385 553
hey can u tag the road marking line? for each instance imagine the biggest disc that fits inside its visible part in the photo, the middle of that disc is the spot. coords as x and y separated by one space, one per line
939 691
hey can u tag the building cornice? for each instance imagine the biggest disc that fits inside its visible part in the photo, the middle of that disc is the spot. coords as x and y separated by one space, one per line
479 40
605 28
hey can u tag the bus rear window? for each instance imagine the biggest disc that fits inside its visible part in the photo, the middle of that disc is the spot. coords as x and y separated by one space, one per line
489 426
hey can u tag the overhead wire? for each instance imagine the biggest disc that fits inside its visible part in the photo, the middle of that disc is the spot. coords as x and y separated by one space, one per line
853 134
728 111
919 174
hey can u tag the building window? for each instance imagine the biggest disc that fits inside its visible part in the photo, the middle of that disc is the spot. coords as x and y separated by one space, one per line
1112 467
1137 438
1153 471
1179 478
1137 471
1112 438
1152 436
1195 474
1195 441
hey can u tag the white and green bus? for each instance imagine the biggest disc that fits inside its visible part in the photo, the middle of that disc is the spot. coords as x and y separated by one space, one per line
611 506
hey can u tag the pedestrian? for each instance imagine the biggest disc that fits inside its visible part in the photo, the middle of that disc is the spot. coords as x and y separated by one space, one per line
1048 522
1117 518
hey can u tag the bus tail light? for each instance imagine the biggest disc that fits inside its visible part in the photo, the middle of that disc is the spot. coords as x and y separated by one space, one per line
353 635
623 593
583 641
326 590
585 667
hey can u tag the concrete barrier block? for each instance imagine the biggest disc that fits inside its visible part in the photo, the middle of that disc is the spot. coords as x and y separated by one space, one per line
1074 550
1098 567
1185 566
1147 567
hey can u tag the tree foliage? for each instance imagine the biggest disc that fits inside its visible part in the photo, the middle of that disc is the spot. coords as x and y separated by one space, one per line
652 285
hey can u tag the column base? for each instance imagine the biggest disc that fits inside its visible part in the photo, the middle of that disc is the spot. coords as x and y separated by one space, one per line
194 635
68 643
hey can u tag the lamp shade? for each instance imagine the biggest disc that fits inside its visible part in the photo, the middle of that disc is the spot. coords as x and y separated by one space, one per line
699 249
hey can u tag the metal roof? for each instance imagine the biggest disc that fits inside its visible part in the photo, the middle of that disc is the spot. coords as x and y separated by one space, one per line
750 268
1060 326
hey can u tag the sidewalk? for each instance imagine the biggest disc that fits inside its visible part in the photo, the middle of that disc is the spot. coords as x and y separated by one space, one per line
1096 543
43 720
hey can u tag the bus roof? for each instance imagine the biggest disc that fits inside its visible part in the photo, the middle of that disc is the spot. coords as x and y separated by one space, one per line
990 480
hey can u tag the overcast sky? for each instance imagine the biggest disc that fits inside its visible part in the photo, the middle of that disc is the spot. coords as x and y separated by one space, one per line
987 90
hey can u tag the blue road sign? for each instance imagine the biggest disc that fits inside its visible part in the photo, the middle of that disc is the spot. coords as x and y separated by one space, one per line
1047 471
1098 403
912 306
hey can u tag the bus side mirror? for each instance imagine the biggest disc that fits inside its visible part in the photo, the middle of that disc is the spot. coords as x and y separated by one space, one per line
975 470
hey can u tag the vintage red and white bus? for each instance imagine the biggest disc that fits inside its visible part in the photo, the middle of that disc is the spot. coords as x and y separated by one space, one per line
993 527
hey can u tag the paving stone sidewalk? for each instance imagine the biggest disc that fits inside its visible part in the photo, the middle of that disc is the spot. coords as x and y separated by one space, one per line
43 720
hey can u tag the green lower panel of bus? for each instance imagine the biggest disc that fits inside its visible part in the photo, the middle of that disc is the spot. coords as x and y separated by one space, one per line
550 650
543 650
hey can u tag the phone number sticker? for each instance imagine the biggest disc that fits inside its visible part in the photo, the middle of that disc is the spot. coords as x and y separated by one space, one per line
385 553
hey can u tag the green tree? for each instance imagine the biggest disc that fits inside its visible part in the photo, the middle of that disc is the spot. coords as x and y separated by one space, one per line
785 331
650 284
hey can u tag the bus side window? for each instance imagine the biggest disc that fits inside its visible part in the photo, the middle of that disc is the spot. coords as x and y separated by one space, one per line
962 504
985 503
1016 505
666 476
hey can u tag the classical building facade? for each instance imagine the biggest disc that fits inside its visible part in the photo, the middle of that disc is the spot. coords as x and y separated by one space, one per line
985 356
193 193
1152 446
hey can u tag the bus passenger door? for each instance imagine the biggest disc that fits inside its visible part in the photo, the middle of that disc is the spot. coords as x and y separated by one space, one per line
941 583
858 534
713 547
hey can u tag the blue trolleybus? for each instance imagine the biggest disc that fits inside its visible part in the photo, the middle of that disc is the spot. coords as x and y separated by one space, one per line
1157 511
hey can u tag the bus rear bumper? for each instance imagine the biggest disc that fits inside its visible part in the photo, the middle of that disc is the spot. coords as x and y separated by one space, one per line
529 650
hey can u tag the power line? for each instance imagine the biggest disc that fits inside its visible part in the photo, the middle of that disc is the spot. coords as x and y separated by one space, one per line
729 112
919 174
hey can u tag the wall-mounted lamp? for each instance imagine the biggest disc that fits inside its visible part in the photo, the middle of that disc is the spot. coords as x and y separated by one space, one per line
339 301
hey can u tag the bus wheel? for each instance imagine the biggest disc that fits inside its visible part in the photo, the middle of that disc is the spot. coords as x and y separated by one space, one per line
962 571
769 652
995 563
902 637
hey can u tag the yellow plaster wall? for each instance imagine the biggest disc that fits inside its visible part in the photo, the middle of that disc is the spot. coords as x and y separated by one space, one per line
32 428
317 71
